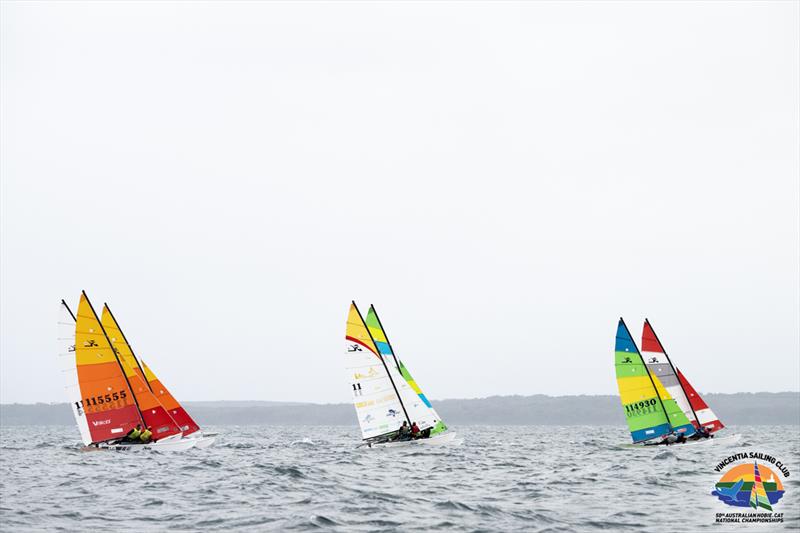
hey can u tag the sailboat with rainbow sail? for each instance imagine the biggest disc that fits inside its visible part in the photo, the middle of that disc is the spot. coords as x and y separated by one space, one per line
107 399
658 408
385 395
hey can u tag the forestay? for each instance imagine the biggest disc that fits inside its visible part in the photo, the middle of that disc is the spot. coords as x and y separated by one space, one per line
416 403
666 380
105 397
644 410
375 398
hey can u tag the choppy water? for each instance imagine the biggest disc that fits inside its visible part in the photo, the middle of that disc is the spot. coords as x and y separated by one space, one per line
312 478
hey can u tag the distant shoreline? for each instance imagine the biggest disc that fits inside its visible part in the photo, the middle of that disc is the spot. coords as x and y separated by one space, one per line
743 408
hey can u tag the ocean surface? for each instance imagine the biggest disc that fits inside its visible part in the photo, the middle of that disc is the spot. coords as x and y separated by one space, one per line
304 478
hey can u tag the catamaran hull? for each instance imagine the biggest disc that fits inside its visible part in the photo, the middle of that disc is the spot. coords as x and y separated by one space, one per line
171 445
442 439
727 439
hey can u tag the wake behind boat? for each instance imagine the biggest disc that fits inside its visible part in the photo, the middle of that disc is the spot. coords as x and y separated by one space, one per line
388 401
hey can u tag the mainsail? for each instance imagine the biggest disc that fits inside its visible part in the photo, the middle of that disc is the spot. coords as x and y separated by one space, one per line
105 399
419 408
705 415
375 397
669 388
154 414
176 410
644 409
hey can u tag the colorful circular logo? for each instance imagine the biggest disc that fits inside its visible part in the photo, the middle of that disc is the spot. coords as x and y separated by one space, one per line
749 485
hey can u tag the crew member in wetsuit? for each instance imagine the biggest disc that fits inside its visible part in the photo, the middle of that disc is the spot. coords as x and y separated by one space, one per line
146 435
405 432
133 435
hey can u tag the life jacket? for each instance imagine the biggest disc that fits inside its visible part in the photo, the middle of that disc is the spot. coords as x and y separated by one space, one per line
145 436
134 434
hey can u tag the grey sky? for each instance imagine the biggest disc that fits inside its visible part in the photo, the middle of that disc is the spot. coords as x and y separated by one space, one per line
502 181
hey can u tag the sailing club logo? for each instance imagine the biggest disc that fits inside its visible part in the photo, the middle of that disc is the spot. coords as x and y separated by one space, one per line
753 482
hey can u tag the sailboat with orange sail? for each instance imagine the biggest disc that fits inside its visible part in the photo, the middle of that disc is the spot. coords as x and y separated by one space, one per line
152 387
106 398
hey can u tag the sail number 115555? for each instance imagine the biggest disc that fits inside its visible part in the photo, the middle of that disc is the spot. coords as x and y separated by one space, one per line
101 399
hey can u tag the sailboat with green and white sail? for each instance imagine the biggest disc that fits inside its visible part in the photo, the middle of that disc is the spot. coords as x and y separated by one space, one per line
384 393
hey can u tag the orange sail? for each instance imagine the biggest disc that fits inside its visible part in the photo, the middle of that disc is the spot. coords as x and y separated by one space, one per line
154 414
178 413
106 397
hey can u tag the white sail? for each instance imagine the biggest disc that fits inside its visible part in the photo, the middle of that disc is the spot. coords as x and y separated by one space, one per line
68 368
377 405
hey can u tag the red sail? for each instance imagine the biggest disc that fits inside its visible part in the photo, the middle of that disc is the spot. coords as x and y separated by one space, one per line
704 413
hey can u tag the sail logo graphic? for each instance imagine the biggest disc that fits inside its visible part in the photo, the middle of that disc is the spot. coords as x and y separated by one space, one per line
751 485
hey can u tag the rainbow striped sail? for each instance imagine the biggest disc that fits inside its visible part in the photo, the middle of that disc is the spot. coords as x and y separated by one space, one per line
644 410
758 496
419 408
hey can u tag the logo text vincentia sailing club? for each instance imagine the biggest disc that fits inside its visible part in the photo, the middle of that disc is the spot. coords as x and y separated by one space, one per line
753 482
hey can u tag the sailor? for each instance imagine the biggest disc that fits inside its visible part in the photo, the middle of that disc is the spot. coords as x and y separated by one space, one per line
404 432
146 434
414 430
425 433
701 433
133 435
672 438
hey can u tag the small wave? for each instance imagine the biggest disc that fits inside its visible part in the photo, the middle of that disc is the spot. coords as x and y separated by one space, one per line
450 504
290 471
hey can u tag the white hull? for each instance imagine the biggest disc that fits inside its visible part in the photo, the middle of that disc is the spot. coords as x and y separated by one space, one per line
441 439
165 445
724 440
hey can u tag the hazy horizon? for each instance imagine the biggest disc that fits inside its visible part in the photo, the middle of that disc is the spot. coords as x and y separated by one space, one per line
502 180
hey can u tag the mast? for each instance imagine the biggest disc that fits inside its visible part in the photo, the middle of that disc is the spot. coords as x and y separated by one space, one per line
69 310
144 378
394 356
666 415
674 371
135 402
397 393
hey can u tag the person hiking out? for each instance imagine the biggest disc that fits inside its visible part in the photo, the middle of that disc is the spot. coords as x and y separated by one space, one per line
146 435
405 431
414 430
133 435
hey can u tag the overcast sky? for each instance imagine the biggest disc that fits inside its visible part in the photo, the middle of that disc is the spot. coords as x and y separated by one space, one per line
502 181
